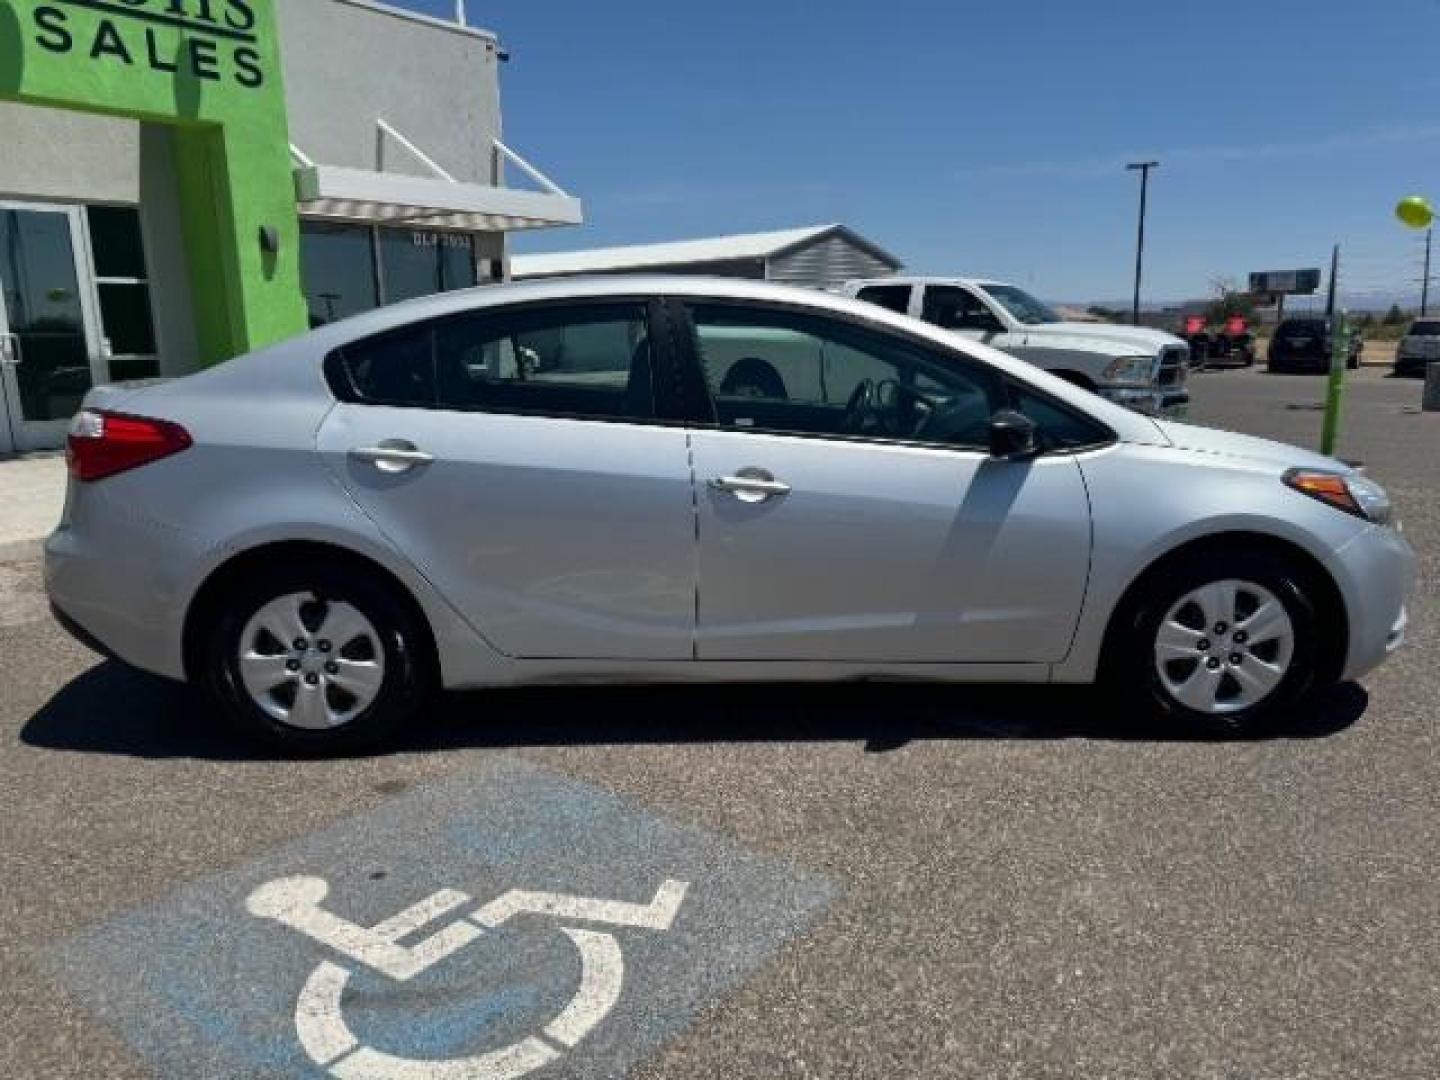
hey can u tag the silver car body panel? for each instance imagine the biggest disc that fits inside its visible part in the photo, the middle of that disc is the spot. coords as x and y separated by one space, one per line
549 551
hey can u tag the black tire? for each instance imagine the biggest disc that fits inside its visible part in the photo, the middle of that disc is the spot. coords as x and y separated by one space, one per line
407 677
1131 673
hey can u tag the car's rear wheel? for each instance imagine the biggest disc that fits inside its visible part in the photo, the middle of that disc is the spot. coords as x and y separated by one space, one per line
316 658
1225 642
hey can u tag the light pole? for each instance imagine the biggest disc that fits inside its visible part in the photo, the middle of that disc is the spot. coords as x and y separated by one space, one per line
1143 167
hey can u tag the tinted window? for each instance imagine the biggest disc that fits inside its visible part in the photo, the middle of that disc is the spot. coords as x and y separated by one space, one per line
1301 327
894 297
122 284
589 361
415 263
953 308
337 268
1424 328
394 369
1060 429
797 373
1024 307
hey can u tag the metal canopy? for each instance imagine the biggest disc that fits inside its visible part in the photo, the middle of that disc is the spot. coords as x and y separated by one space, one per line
346 194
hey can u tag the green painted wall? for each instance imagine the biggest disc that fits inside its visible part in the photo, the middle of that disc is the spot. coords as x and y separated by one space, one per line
211 70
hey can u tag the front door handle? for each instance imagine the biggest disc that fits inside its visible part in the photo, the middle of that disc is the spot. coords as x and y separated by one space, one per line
751 485
393 456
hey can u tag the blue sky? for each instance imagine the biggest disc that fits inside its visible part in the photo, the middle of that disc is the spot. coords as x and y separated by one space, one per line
990 138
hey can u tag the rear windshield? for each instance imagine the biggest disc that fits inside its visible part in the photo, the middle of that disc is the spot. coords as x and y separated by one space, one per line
1302 326
1425 328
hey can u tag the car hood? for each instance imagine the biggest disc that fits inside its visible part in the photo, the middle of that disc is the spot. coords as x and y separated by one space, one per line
1117 338
1205 440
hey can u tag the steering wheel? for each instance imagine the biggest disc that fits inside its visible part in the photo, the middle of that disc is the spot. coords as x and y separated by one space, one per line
860 409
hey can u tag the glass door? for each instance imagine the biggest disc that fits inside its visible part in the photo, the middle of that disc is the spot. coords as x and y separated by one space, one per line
49 341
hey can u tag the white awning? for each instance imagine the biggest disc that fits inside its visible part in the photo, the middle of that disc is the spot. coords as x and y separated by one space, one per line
346 194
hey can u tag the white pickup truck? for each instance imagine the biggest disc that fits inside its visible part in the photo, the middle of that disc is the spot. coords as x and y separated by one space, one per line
1142 369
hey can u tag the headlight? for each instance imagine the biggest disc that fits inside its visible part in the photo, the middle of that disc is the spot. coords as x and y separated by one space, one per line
1131 371
1350 492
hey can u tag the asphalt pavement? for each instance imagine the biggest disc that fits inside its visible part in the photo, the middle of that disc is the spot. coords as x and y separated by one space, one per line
742 881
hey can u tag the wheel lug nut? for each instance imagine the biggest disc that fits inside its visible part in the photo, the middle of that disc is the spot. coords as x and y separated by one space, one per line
323 646
1220 628
292 665
1213 663
1241 637
311 679
301 644
332 668
1203 644
1236 659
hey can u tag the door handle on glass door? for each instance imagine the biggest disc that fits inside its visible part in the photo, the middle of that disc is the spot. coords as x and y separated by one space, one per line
750 485
392 456
9 349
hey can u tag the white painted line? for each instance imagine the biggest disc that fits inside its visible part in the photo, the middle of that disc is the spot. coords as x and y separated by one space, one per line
295 902
322 1030
602 970
656 915
514 1061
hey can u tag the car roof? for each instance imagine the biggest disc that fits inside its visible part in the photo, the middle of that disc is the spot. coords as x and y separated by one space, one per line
926 279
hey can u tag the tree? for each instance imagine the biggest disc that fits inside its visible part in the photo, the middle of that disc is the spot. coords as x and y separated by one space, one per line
1394 317
1229 301
1107 314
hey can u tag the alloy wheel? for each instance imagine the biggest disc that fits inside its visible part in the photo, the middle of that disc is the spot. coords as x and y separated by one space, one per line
311 663
1224 647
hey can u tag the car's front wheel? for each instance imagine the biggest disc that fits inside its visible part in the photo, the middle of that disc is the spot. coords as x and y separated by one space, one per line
316 658
1226 642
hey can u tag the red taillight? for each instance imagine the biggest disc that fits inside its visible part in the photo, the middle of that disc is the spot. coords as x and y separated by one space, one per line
103 443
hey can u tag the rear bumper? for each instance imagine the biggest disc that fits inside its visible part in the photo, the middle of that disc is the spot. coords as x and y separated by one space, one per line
114 601
1414 365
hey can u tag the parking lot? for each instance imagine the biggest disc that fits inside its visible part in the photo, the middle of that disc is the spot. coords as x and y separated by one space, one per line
757 881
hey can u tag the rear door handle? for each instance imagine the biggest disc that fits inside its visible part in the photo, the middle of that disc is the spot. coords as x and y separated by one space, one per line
393 456
751 485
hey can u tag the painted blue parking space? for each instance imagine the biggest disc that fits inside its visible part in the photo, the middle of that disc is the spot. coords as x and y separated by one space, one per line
505 921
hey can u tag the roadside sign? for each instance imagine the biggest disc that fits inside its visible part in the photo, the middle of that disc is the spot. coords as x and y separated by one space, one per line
499 922
1286 282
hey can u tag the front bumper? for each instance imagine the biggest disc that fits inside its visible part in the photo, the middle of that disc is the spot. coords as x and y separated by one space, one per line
1376 572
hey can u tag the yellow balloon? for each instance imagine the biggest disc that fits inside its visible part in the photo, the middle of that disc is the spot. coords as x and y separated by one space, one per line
1415 211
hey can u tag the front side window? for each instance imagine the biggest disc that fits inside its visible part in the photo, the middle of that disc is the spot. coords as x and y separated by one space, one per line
953 308
796 373
893 297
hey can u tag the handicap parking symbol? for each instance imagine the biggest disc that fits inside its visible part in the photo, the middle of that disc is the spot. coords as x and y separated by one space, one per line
504 921
296 903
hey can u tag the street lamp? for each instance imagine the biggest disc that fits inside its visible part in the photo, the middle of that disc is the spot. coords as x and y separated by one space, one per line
1143 167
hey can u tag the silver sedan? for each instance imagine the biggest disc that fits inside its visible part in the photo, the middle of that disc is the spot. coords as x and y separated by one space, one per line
650 478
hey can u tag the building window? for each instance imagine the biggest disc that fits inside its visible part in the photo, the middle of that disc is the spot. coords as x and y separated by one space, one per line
348 269
123 285
337 267
414 262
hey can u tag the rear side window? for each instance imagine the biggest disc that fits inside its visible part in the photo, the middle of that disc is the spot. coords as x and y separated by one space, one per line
589 361
893 297
1425 328
586 361
393 369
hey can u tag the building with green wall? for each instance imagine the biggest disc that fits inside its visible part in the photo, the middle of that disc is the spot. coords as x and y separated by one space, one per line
185 180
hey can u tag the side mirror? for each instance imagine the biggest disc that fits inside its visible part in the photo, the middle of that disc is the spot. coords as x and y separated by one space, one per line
1012 436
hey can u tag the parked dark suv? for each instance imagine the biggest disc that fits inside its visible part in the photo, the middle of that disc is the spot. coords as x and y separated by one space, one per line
1303 345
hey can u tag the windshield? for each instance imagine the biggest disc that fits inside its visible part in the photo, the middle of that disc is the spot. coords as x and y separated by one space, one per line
1426 328
1024 307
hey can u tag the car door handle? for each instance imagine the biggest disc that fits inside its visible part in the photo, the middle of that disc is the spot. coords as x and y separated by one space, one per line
393 456
748 486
